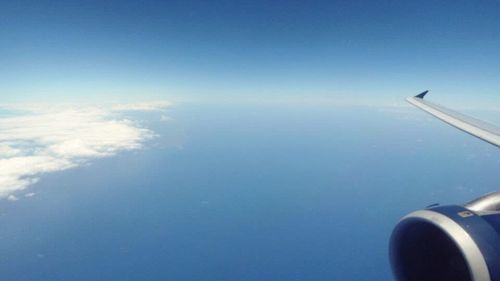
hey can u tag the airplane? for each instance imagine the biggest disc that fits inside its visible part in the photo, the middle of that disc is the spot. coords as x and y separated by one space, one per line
455 242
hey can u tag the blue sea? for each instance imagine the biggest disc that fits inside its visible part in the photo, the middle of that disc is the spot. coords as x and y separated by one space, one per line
245 192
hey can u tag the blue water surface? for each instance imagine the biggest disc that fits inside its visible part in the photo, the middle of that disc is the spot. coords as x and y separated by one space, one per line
245 193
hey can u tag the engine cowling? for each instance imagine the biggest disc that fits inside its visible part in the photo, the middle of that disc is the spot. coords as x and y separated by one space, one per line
449 243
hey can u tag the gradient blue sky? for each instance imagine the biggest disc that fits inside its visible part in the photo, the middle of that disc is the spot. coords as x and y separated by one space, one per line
352 50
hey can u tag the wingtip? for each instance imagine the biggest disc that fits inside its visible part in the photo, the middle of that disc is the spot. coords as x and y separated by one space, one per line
422 95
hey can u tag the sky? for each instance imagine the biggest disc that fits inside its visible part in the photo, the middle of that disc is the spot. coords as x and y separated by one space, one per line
355 51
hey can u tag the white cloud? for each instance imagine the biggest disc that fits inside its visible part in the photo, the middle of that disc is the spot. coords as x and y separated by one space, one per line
12 198
49 138
143 106
165 118
8 151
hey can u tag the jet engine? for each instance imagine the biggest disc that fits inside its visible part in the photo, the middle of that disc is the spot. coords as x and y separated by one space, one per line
449 243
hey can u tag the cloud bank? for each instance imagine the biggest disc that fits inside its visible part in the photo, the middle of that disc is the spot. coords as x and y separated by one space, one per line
49 138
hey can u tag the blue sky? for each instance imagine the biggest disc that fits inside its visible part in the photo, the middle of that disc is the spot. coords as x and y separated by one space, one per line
353 50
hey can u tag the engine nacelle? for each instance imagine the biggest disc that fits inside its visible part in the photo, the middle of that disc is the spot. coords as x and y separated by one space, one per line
449 243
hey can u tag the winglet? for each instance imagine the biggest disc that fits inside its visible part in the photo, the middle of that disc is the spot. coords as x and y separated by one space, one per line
422 95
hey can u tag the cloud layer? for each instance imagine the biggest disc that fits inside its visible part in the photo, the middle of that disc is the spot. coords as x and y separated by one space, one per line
49 138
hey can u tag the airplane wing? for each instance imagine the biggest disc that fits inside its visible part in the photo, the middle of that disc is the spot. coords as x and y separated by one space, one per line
473 126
